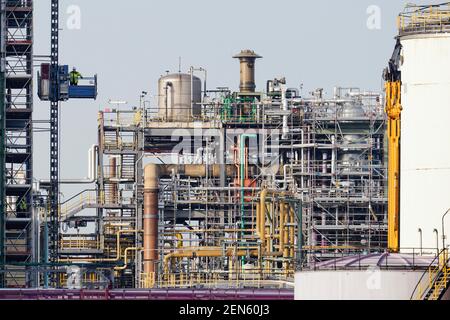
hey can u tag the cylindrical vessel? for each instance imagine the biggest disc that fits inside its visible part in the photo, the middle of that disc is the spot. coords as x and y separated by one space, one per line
351 115
180 97
425 130
247 60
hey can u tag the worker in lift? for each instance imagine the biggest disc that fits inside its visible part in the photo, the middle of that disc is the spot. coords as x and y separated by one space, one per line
75 76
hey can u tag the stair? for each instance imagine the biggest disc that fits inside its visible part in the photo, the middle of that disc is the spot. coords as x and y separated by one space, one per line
435 281
128 168
440 286
111 140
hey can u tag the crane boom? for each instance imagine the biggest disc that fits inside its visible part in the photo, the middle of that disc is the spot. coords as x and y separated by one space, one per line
393 110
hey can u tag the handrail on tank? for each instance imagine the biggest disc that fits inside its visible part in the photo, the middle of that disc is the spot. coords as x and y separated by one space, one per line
442 253
424 18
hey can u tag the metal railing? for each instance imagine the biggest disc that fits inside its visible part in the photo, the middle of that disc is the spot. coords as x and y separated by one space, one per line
93 199
79 242
226 279
336 254
435 279
424 19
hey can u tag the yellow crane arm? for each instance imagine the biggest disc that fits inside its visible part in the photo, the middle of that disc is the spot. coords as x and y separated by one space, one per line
393 111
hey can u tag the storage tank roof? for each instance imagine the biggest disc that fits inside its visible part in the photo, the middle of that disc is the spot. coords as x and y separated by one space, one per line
380 260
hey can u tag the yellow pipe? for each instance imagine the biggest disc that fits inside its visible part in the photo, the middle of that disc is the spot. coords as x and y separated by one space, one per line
258 224
262 215
282 208
125 255
179 236
286 231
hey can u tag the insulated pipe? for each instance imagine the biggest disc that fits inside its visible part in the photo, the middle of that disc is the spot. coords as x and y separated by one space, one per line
333 160
261 216
198 170
285 108
152 174
92 170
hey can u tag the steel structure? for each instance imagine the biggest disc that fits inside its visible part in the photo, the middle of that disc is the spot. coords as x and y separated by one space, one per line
240 195
53 224
17 224
341 173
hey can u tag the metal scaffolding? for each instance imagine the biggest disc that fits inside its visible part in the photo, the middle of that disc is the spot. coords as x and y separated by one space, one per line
17 104
256 188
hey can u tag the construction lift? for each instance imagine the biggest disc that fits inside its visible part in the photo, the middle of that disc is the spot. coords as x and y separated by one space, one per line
54 86
392 77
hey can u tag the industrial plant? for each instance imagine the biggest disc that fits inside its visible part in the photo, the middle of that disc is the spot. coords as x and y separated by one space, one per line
252 193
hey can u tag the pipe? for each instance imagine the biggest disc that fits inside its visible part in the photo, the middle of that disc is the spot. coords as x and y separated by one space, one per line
206 252
150 218
333 160
125 260
281 227
92 171
152 174
197 170
261 215
179 237
285 108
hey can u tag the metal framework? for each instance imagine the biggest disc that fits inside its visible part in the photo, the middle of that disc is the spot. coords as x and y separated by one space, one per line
264 185
342 174
17 133
54 136
419 19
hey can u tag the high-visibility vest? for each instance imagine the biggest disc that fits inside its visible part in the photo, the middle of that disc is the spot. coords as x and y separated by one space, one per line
23 205
74 76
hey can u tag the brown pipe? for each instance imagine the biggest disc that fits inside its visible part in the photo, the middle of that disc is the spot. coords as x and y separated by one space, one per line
150 219
199 170
152 174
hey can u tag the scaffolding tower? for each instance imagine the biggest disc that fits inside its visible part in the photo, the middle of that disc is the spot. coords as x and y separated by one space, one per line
17 224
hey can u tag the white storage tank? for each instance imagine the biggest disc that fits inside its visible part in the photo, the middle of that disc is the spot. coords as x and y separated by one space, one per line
180 97
425 139
367 277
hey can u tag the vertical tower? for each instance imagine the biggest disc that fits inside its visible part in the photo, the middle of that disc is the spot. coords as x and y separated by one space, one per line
16 106
425 155
247 59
